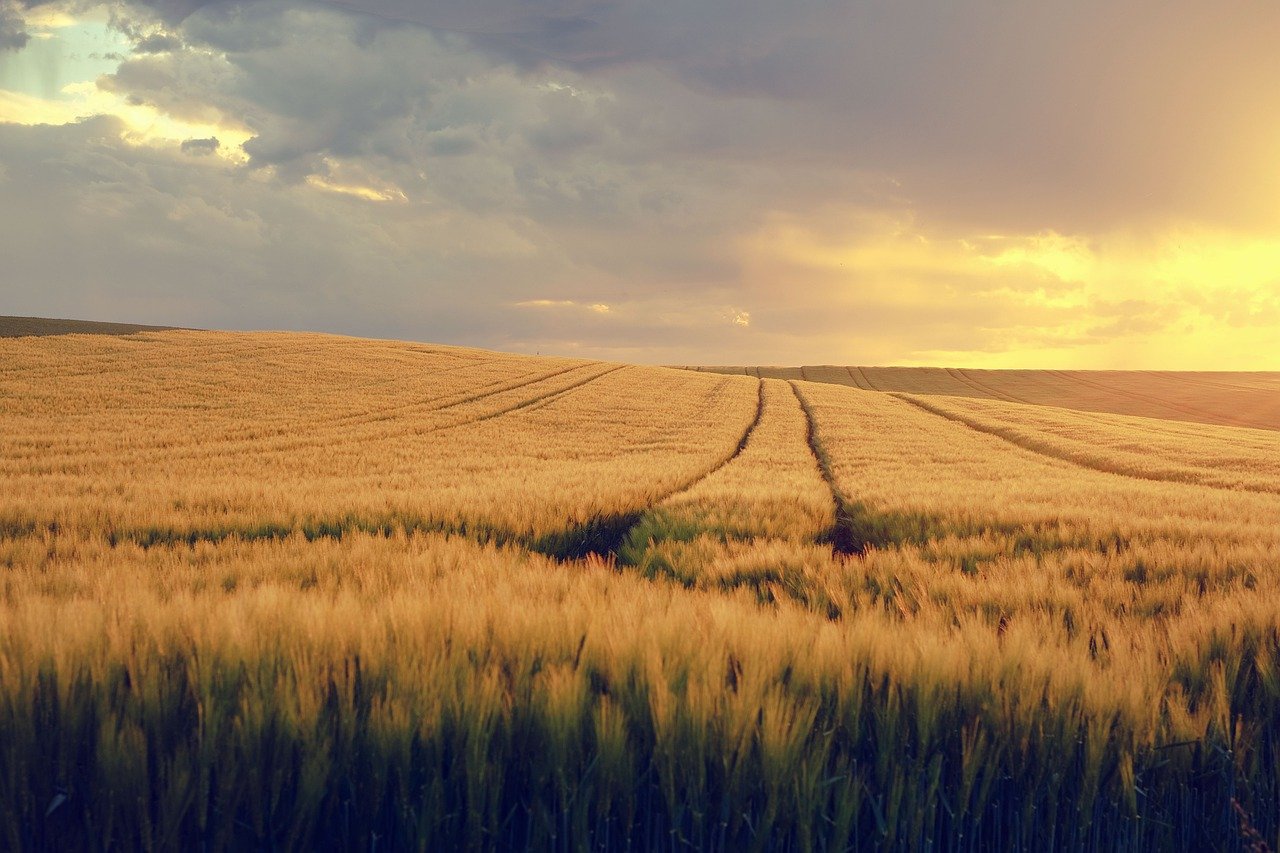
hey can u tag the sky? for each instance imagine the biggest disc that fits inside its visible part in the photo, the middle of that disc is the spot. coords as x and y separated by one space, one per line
970 183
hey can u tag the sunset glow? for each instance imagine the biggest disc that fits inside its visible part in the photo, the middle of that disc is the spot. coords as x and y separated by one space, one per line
1009 207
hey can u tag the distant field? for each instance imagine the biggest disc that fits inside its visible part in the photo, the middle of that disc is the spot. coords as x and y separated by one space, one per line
286 591
1233 399
18 327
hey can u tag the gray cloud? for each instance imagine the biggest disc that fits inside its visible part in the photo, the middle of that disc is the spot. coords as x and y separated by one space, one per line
1071 115
13 33
633 154
200 147
157 43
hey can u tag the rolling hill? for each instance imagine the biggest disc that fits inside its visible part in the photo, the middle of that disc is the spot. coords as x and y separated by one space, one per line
304 591
1232 399
21 327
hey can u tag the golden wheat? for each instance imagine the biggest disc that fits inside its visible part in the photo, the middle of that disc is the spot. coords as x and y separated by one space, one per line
1234 399
1227 457
278 591
515 444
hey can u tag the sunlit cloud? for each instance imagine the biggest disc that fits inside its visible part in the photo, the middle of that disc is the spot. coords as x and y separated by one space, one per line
595 307
142 124
50 17
1063 257
355 190
57 84
340 180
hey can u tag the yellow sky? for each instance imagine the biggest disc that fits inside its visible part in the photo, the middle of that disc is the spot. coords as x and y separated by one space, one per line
1184 297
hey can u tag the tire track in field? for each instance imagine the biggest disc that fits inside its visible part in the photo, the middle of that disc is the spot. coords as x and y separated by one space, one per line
1049 451
860 384
867 379
1208 383
1199 414
964 376
842 533
600 536
284 429
509 386
400 412
285 438
737 451
604 535
532 403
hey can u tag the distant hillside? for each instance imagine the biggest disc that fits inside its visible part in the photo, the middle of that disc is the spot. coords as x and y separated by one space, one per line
24 327
1247 399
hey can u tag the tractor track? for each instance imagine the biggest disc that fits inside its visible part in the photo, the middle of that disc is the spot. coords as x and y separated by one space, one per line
1199 414
841 534
737 451
600 536
867 379
1048 452
993 393
532 404
285 438
860 384
1207 383
603 536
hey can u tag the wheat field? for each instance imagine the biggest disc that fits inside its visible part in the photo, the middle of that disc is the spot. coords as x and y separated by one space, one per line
1229 398
287 591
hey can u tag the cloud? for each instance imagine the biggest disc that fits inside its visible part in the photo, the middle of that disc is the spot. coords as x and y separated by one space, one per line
976 114
157 43
594 307
974 107
13 33
200 147
712 180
